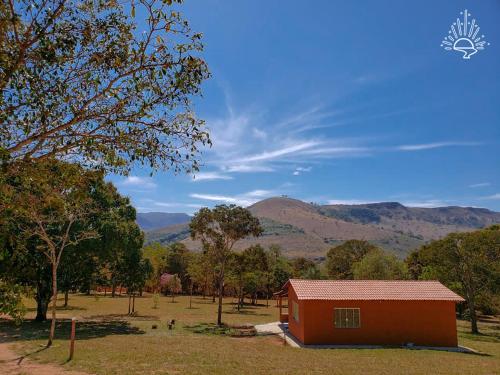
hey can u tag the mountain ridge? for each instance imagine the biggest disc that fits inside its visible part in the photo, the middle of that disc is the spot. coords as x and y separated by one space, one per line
157 220
308 229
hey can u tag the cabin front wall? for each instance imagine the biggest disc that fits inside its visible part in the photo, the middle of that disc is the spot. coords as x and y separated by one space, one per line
431 323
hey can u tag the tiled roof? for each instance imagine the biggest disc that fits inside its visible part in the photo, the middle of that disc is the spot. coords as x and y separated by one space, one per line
372 290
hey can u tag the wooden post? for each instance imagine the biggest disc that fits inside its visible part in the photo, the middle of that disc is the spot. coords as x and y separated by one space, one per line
280 305
72 338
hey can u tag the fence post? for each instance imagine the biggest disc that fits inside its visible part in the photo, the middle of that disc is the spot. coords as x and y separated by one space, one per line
72 338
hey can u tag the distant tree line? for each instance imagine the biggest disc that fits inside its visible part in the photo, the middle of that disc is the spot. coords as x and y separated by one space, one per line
468 263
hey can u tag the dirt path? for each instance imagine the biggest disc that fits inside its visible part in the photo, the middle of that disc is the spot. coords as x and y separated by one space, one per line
13 364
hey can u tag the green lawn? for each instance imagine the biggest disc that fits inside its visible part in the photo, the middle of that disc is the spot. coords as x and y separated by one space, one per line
109 342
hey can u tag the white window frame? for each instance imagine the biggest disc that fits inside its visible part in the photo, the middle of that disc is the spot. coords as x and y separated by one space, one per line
350 317
295 311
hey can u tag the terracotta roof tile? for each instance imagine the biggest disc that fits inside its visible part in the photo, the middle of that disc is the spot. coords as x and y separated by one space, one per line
372 290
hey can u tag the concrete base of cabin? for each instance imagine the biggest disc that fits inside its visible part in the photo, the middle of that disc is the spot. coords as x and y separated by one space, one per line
281 330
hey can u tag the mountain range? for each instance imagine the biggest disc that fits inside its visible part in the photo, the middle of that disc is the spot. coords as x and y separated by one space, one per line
156 220
308 229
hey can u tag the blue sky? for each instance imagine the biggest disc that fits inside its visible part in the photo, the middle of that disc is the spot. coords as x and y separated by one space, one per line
333 102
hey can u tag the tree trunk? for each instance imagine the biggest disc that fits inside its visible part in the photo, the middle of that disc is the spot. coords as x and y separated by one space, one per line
113 289
129 297
133 302
54 305
221 293
66 297
190 296
42 301
471 303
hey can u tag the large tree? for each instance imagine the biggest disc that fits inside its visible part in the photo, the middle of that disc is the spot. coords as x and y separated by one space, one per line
70 204
379 265
469 263
11 300
94 81
340 259
178 257
52 204
304 268
201 270
157 254
219 229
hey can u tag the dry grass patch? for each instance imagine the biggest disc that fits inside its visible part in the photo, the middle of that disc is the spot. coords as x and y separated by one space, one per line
112 343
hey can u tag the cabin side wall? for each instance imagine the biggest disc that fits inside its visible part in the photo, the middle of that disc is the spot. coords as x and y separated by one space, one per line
430 323
294 327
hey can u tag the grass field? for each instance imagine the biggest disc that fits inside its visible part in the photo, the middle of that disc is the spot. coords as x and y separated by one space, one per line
110 342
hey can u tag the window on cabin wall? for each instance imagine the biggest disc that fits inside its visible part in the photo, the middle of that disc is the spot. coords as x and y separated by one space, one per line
295 311
347 318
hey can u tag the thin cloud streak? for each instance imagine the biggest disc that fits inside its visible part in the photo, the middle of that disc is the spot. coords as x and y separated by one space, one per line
137 181
270 155
244 200
429 146
241 145
433 203
491 197
242 168
480 185
348 201
207 176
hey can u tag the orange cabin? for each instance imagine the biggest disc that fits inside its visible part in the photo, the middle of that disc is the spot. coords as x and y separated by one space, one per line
370 312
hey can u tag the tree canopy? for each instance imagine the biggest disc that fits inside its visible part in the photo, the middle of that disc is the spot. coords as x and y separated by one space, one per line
86 80
379 265
219 229
340 259
469 263
62 222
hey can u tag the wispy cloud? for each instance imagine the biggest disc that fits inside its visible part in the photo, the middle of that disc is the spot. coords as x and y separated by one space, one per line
138 182
312 115
300 170
251 142
428 146
149 205
258 133
250 168
241 145
245 199
349 201
491 197
204 176
480 185
431 203
427 203
277 153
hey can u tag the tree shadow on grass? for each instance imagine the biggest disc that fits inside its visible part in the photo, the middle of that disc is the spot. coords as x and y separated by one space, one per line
122 317
246 310
62 308
89 329
488 332
485 336
32 330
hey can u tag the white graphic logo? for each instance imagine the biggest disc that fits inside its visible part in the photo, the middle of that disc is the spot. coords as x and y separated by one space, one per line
463 37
